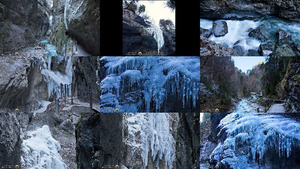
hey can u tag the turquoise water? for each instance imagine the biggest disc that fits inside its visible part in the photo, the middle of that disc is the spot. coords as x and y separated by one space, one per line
238 31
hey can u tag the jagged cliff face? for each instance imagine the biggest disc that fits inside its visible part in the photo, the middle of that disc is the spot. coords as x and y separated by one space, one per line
22 23
138 140
10 140
79 20
290 83
245 9
135 35
140 35
86 78
99 141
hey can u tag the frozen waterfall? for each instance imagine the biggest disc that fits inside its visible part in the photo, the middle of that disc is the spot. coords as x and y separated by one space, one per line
55 78
250 140
41 150
151 132
144 84
158 36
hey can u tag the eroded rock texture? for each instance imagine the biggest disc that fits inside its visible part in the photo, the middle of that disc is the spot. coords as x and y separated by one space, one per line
22 23
249 9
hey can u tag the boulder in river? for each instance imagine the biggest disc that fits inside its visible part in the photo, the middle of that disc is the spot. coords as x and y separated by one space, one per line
282 37
205 32
285 50
252 52
259 34
266 49
220 28
239 50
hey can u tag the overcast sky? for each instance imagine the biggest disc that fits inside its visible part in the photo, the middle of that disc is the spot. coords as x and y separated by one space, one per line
158 10
246 63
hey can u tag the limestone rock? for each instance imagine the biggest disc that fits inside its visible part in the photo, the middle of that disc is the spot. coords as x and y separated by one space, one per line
259 34
284 50
205 32
10 141
266 49
210 48
135 35
282 37
220 28
17 31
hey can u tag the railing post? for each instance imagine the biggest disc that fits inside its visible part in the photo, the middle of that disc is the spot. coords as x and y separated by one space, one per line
71 93
61 90
57 105
65 93
91 101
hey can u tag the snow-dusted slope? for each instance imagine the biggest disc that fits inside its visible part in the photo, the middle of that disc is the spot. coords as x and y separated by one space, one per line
251 140
144 84
40 150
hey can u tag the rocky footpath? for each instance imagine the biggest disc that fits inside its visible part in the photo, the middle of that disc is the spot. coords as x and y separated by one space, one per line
22 24
245 9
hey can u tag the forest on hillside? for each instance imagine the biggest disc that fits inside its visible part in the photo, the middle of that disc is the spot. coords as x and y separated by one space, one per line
223 85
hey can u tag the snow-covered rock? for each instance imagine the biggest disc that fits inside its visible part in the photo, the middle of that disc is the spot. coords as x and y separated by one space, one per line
250 140
41 150
151 84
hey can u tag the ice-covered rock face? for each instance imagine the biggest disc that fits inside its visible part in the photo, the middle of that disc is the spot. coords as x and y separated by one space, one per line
150 142
150 84
257 140
41 150
55 78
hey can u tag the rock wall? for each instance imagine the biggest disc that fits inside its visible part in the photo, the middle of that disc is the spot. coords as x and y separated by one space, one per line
83 20
22 23
84 25
99 141
86 78
249 9
135 35
188 141
290 83
10 141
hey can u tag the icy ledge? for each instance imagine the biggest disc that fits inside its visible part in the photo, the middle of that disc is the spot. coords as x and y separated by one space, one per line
41 150
249 139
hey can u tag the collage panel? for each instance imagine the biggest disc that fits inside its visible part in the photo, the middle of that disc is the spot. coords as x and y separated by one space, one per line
249 112
249 140
49 56
249 84
143 140
148 28
249 28
150 84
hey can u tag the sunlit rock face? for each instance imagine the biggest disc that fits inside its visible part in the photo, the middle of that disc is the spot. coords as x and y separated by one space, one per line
150 84
250 140
22 23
